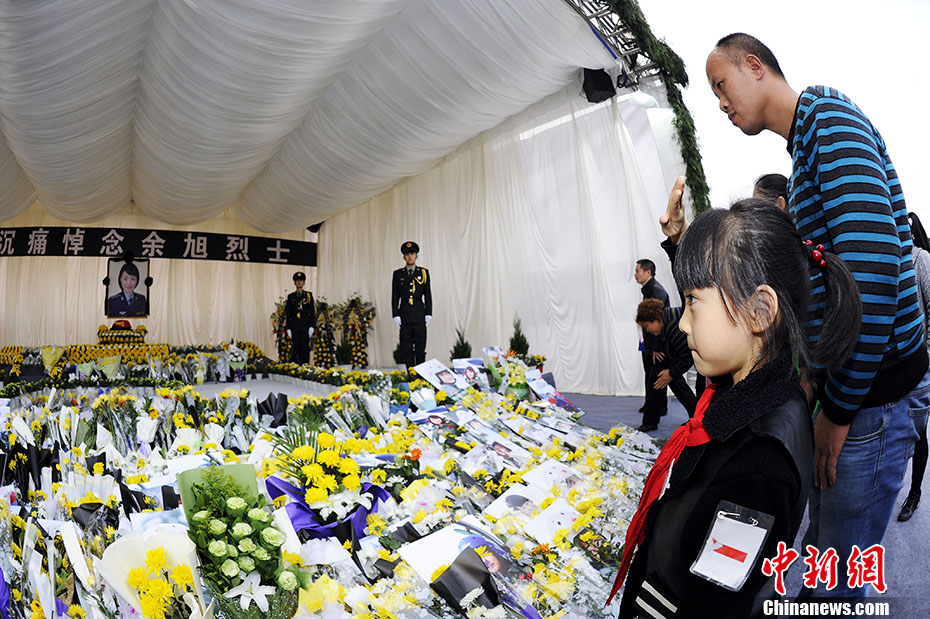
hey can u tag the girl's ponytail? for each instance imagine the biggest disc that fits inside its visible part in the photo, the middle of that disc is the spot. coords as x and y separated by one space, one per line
842 311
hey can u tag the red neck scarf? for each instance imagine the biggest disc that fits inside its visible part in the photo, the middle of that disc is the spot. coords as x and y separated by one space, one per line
687 435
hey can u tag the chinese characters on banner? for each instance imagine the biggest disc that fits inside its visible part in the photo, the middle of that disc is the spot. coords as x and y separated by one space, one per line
863 567
114 242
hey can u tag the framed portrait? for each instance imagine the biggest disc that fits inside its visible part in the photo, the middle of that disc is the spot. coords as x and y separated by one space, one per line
127 296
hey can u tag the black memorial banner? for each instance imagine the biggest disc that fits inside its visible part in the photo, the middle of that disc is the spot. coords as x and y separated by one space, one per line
173 244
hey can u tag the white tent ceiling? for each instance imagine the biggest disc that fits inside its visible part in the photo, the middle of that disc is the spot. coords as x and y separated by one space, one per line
286 111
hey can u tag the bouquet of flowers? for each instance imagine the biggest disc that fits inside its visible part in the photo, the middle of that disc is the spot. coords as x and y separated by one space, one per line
238 544
328 480
237 361
117 411
153 572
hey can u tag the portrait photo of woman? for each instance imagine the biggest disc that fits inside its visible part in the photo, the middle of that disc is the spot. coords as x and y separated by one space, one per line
128 300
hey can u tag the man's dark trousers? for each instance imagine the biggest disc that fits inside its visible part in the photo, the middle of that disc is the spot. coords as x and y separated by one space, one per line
300 338
679 387
413 343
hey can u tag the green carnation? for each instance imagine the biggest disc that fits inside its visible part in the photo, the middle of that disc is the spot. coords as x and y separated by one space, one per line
246 545
272 537
240 530
231 550
217 549
236 506
230 568
201 517
261 554
217 527
259 515
246 563
287 580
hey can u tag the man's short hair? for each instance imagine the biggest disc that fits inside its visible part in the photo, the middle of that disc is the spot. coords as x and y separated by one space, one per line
650 310
647 265
738 45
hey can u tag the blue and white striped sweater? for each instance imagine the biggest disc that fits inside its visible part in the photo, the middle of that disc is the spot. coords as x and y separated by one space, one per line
844 194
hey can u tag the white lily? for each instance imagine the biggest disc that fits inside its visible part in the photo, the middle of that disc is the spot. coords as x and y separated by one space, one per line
249 590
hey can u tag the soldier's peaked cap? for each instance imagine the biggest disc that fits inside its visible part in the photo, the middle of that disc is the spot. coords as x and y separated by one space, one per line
409 248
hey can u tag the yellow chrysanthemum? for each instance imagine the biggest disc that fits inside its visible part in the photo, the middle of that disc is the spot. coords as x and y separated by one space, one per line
160 589
137 578
351 482
304 452
378 476
315 494
348 466
325 440
438 572
327 482
156 560
328 457
293 558
152 607
312 472
181 575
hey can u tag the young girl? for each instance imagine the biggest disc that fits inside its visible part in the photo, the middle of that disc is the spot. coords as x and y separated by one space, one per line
733 481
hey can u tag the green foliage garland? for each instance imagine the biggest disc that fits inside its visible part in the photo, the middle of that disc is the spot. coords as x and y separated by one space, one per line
672 70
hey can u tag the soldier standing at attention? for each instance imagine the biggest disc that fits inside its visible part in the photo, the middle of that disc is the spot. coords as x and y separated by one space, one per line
300 317
411 305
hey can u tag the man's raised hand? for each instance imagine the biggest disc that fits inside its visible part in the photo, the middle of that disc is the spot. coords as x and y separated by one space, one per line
673 222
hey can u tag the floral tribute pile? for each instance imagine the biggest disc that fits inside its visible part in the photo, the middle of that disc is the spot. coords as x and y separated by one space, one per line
389 497
103 363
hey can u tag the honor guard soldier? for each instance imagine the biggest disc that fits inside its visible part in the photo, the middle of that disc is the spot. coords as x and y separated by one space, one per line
300 318
411 305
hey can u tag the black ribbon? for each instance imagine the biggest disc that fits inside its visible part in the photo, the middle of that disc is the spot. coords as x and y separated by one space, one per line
466 573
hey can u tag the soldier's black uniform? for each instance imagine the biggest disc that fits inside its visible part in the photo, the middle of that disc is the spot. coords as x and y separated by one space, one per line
412 300
300 316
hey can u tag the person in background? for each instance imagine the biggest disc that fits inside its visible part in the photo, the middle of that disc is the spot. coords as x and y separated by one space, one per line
411 305
127 302
772 188
919 398
651 345
300 318
661 321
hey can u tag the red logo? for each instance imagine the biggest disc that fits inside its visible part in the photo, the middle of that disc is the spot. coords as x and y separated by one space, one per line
729 551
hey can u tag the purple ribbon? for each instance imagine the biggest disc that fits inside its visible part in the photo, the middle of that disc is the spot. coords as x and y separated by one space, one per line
304 518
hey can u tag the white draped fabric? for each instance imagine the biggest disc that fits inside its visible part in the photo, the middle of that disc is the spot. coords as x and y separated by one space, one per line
542 218
284 111
60 300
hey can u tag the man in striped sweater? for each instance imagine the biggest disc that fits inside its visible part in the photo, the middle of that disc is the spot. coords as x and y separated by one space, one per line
844 194
662 322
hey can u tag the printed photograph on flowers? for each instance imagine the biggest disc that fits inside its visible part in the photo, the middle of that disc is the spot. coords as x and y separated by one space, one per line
439 376
552 473
431 556
559 515
472 369
435 423
519 500
539 386
127 296
531 430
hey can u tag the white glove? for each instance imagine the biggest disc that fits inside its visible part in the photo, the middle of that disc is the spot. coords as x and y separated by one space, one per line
310 332
397 321
289 333
428 318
